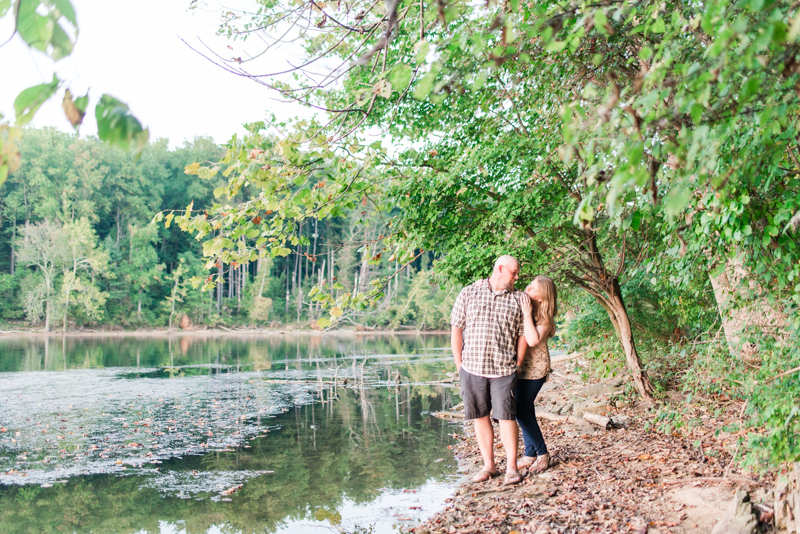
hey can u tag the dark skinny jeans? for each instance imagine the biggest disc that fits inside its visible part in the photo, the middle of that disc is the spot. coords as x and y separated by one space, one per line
527 390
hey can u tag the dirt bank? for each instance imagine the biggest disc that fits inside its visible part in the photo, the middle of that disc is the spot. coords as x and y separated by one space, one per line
629 478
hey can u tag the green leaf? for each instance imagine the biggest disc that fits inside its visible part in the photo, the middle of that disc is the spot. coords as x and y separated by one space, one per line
35 29
117 126
324 322
30 100
400 77
62 45
659 26
424 88
39 25
66 10
697 113
170 215
5 5
636 220
600 21
555 46
677 200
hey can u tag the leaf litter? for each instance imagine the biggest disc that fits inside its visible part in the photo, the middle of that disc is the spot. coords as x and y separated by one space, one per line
629 478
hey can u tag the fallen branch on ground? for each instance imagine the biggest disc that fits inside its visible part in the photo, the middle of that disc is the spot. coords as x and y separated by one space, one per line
597 420
729 480
448 415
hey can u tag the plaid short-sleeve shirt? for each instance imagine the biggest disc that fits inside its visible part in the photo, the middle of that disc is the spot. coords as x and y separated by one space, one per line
492 325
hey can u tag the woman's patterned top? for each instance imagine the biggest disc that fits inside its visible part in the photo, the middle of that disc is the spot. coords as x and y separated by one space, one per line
536 363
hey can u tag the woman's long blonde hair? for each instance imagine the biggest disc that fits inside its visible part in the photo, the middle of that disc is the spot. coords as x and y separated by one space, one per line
548 309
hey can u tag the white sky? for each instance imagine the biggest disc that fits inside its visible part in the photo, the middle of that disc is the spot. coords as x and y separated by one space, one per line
132 51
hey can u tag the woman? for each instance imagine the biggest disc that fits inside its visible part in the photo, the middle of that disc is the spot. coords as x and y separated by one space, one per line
539 319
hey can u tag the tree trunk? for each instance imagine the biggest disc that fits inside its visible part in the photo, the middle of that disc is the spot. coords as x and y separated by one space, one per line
139 307
314 251
608 292
118 228
752 312
47 317
625 333
66 313
287 287
230 282
220 288
13 238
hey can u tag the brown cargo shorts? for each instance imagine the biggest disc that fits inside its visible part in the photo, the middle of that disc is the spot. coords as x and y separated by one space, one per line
484 396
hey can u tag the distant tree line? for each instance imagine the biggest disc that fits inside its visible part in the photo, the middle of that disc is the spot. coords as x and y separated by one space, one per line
77 249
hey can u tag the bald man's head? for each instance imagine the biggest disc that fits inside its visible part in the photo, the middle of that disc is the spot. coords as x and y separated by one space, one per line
505 273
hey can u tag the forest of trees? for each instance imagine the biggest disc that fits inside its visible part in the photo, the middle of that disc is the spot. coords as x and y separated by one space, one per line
78 249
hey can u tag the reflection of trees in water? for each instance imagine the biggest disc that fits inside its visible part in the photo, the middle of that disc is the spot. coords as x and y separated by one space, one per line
253 353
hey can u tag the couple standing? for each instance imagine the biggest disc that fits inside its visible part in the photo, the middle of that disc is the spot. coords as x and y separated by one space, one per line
499 342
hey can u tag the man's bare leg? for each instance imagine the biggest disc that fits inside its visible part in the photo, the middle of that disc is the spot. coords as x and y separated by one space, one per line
485 436
508 435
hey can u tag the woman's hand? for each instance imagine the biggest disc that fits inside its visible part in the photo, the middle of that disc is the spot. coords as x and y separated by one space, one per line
526 305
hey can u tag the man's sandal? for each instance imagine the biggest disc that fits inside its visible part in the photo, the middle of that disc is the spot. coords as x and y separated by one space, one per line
484 475
512 478
525 462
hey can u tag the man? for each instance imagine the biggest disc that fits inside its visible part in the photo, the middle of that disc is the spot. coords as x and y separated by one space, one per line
488 345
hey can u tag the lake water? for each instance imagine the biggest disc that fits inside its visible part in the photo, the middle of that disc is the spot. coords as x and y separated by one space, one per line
189 434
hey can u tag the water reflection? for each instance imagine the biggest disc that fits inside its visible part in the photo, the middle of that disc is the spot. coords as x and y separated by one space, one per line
237 352
337 436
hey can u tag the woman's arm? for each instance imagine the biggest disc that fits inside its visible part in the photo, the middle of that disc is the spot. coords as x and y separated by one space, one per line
532 334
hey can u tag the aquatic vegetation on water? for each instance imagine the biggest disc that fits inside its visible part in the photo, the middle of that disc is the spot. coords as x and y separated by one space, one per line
130 449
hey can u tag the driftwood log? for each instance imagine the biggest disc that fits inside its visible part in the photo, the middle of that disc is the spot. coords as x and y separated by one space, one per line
449 415
597 420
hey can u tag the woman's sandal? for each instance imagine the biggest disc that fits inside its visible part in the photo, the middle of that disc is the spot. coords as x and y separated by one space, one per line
512 478
525 462
542 462
484 475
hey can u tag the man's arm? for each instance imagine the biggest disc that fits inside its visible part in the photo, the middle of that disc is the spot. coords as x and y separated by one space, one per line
457 345
522 348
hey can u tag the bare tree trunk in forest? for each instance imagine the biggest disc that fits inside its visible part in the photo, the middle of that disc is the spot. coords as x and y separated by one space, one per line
66 313
314 251
220 286
13 238
118 228
295 271
753 311
230 282
287 286
47 317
